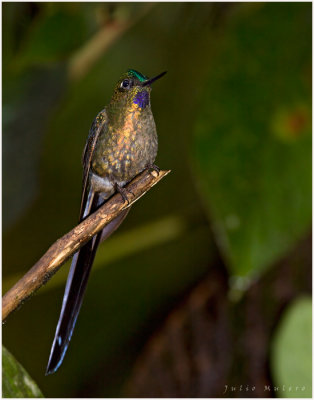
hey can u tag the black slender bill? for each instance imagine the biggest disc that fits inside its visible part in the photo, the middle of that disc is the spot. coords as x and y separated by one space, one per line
150 81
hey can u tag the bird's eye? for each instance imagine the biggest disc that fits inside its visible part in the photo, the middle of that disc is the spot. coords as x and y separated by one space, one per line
126 84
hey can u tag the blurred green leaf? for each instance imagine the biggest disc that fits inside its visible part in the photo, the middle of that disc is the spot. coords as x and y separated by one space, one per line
252 152
15 380
291 356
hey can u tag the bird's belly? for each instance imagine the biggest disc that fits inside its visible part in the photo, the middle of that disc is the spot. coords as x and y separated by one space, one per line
121 157
103 185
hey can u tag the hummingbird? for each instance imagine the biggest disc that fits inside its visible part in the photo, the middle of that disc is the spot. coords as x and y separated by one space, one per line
122 142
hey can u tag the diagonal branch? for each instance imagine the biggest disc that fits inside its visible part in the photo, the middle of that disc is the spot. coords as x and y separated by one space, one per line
68 244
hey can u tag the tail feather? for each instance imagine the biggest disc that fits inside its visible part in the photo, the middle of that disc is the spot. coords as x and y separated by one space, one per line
76 284
72 301
73 296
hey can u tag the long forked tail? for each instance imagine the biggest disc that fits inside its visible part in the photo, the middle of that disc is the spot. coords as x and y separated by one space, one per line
75 288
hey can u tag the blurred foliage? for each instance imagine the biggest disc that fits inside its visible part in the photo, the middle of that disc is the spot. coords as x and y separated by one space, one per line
233 116
15 380
255 172
292 351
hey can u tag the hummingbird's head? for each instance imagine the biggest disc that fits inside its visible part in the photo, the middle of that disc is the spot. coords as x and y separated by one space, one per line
133 89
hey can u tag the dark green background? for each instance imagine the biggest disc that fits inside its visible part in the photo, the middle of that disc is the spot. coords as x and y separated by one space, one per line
234 121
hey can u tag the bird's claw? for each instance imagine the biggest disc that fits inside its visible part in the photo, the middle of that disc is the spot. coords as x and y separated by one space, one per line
153 167
123 192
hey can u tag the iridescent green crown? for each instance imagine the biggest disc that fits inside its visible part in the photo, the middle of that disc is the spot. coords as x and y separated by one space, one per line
138 75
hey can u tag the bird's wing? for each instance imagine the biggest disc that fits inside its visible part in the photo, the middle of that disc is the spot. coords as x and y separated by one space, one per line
97 125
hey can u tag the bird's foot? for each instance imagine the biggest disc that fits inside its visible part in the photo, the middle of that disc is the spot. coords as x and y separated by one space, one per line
123 192
153 167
